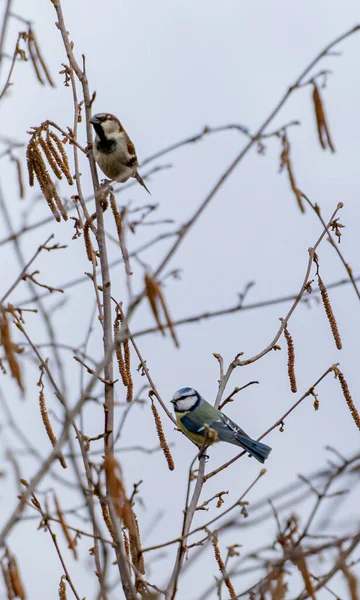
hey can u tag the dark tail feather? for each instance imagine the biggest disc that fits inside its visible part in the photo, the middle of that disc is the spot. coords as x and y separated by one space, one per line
256 449
141 181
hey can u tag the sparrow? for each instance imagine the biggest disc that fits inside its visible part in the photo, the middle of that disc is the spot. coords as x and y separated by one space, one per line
113 150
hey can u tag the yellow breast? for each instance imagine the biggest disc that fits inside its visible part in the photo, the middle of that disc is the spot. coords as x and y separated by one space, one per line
197 438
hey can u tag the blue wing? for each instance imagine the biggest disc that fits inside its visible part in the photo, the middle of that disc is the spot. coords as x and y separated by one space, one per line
229 432
192 426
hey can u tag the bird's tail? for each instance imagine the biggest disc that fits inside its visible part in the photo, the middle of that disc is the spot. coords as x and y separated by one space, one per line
141 181
256 449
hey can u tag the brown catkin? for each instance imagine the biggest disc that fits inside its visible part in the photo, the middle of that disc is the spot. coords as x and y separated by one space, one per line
302 566
37 167
161 436
8 345
221 564
64 528
319 114
123 360
63 163
291 360
285 162
54 151
167 317
30 166
33 56
130 385
349 401
126 543
7 581
116 489
52 160
329 313
351 581
119 353
59 203
321 121
62 589
107 520
90 252
16 579
19 177
120 231
140 556
280 589
48 427
41 172
41 60
152 292
46 185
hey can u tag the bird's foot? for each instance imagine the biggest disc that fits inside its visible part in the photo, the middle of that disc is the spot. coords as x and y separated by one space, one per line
203 455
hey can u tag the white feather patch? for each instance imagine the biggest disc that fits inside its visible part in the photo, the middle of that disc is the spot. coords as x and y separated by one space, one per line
186 403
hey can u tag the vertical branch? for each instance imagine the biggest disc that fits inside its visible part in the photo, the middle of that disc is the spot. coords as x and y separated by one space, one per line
4 28
124 572
100 234
188 517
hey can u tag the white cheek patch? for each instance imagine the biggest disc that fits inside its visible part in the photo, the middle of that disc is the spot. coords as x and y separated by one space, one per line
110 127
186 403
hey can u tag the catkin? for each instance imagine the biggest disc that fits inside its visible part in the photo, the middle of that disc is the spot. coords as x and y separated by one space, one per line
56 159
7 581
107 520
8 345
90 252
302 566
48 427
321 121
221 564
349 401
119 353
285 163
47 186
63 163
135 548
19 176
156 297
40 57
130 385
280 589
64 527
351 581
152 292
51 156
62 589
167 317
120 231
163 443
123 359
126 543
329 313
15 578
291 360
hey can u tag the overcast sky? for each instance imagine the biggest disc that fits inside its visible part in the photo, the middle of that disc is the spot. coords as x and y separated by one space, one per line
166 70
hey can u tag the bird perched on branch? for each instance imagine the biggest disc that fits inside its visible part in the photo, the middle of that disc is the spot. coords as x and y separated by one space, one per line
113 150
204 424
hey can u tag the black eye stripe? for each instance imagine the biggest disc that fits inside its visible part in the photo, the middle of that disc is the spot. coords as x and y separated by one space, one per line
185 397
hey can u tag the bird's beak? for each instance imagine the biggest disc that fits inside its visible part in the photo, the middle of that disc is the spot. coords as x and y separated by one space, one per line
94 120
172 401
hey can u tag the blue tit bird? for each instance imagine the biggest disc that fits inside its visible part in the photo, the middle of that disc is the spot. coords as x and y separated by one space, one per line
201 422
